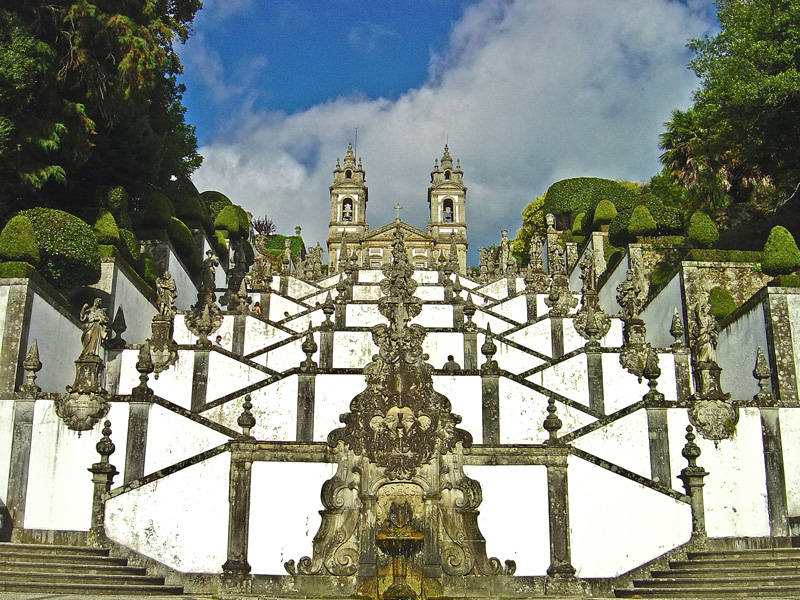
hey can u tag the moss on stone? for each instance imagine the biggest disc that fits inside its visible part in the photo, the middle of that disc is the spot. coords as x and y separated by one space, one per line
702 230
641 222
721 302
662 273
67 247
18 242
781 256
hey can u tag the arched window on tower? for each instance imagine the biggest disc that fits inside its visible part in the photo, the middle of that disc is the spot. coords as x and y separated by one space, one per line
347 209
447 210
447 174
348 174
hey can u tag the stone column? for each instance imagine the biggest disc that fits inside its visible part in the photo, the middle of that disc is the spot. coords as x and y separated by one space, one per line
490 395
103 474
776 479
237 340
780 347
594 366
557 336
135 447
306 390
598 244
558 512
18 311
693 481
199 379
22 436
470 350
658 434
530 302
236 569
284 285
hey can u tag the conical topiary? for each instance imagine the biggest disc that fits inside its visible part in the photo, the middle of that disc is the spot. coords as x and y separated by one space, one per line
641 222
18 241
604 213
702 230
781 255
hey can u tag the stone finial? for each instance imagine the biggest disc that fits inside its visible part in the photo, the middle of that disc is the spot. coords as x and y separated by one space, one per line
105 447
118 327
762 373
144 365
693 477
457 288
489 349
552 423
652 371
469 312
328 308
309 346
246 420
342 290
32 365
676 330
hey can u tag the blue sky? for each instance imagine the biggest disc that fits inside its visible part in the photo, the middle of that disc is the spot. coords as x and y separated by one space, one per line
527 92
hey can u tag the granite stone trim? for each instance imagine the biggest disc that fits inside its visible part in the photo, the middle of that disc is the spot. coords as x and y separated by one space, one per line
19 306
22 436
136 444
306 390
557 336
774 469
594 366
470 350
490 408
781 348
658 433
199 379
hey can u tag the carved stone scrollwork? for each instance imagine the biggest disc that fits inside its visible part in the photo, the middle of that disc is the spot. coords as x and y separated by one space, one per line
560 299
591 322
205 317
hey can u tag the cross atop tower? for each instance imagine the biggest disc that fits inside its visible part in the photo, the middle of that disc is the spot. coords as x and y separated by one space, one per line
397 209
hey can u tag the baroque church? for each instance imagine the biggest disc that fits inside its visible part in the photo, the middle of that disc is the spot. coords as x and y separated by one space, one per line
349 230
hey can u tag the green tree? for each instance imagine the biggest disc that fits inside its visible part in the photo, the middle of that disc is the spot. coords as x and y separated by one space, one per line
743 132
532 222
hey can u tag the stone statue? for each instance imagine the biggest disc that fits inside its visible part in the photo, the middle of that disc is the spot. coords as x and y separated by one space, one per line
588 273
550 221
631 295
167 292
208 274
704 334
95 328
504 251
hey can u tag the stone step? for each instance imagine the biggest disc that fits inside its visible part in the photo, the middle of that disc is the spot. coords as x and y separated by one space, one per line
80 577
787 592
55 567
8 547
740 563
87 589
728 571
758 582
751 553
13 557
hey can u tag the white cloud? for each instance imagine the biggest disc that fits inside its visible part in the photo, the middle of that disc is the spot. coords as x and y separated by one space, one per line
527 92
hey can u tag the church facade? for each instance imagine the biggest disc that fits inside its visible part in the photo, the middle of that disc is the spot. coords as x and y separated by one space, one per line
348 230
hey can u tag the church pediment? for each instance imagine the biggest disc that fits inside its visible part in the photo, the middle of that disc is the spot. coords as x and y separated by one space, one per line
385 233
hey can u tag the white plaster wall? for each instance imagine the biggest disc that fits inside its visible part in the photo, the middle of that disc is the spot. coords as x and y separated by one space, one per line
181 334
180 520
657 315
137 309
319 298
226 375
187 292
420 276
536 336
512 359
278 306
509 537
790 436
366 292
367 276
467 282
523 410
735 491
282 526
173 384
59 494
59 345
625 442
482 319
608 293
617 524
737 347
429 292
621 388
464 393
172 438
333 394
516 308
435 315
352 349
568 378
288 356
300 323
298 287
259 334
572 339
6 434
274 408
497 289
363 315
439 345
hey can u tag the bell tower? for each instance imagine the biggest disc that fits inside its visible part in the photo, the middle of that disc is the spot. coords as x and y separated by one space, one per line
348 204
447 197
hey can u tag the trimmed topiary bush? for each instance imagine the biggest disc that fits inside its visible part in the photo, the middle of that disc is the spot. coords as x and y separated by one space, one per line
117 201
184 245
154 213
16 269
147 269
702 230
193 213
781 256
67 247
105 229
721 302
233 219
604 213
577 223
18 242
641 222
214 202
129 246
